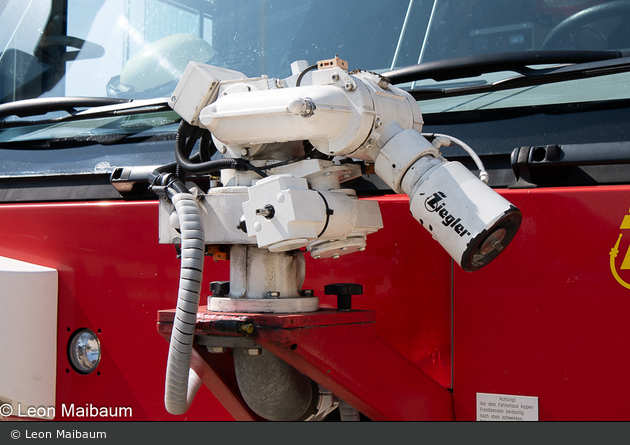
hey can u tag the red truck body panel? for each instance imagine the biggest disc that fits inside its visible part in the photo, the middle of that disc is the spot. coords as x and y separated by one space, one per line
546 319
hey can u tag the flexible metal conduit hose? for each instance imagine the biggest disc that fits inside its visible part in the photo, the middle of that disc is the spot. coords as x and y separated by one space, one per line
181 382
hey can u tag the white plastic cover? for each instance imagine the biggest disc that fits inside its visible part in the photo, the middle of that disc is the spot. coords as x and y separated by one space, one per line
28 339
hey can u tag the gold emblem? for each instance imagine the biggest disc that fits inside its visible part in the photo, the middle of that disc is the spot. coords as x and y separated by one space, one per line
625 224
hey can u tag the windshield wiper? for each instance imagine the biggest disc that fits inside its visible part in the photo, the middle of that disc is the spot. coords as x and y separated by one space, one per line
574 65
78 108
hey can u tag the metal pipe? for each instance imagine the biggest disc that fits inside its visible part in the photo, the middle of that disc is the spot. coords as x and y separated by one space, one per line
272 388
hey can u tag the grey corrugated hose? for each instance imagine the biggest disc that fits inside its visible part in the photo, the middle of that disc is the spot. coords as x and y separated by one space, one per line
181 382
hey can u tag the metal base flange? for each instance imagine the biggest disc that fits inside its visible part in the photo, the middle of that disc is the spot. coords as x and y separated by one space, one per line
263 305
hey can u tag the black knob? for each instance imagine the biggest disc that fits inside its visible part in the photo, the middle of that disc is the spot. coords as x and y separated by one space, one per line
220 288
344 292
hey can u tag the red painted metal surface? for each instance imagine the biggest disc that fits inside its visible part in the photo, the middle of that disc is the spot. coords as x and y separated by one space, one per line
341 351
406 278
548 318
114 277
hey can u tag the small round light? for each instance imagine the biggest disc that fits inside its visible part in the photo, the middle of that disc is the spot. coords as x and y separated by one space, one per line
84 351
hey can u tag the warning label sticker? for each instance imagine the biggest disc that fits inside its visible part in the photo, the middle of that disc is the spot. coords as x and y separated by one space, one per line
506 408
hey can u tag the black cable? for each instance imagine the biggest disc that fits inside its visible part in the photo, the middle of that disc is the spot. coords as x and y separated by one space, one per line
306 70
187 136
280 164
206 147
166 184
308 152
196 134
210 166
249 166
206 150
328 213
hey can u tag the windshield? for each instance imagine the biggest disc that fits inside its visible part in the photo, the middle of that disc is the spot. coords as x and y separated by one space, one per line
138 49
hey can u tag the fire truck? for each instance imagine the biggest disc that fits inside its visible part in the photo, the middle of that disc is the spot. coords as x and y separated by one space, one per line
219 210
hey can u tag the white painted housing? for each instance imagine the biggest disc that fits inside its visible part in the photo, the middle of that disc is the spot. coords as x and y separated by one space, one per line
28 338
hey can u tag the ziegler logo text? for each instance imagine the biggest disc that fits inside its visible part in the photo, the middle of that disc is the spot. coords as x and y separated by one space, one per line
436 204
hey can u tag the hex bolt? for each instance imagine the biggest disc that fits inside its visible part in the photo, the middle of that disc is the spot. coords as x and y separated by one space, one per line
216 349
273 294
254 351
344 292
